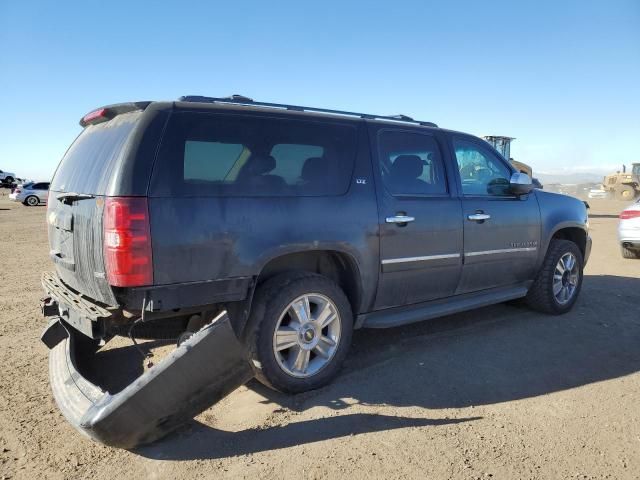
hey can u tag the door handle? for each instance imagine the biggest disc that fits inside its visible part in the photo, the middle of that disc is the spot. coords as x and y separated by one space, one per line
478 217
400 219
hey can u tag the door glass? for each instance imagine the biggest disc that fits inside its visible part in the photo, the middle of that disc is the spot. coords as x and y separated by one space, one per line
481 171
411 164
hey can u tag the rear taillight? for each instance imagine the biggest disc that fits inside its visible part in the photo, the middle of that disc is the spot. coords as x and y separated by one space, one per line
17 190
127 242
628 214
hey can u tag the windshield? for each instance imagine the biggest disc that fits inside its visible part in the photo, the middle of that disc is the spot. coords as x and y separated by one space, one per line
89 162
636 169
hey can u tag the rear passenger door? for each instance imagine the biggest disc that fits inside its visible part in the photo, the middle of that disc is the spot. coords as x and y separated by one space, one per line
501 231
420 220
230 192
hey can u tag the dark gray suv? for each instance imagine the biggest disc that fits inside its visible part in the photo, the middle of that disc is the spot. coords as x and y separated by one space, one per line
290 226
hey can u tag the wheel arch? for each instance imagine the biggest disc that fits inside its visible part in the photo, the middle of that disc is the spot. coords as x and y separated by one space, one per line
341 267
576 235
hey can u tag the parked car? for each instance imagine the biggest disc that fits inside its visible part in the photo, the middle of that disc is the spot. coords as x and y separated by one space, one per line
290 227
31 194
629 231
7 178
598 193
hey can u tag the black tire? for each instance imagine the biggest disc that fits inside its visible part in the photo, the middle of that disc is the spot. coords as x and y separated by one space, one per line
8 181
269 304
628 253
540 296
31 201
625 192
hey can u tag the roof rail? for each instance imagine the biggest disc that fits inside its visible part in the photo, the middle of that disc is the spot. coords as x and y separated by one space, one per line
242 100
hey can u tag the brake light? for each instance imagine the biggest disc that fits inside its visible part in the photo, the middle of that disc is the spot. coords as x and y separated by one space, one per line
629 214
127 242
17 190
97 116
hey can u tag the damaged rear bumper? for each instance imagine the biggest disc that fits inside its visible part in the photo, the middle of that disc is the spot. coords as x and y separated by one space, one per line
201 371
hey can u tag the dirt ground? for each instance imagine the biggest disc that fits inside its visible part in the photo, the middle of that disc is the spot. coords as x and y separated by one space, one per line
500 392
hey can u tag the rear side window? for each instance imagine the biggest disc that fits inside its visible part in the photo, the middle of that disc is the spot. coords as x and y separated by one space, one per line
89 162
410 163
216 154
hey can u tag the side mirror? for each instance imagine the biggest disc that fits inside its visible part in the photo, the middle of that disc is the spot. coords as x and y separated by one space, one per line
520 184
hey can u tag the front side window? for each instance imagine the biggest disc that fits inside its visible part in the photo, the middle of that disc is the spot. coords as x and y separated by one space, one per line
253 156
481 171
411 164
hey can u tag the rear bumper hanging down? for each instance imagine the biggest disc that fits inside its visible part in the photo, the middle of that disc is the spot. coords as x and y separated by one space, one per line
200 372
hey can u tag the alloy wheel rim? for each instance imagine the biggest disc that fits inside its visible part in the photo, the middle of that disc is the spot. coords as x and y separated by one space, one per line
307 335
565 278
32 201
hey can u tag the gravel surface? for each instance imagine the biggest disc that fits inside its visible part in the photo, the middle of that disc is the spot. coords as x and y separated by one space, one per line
500 392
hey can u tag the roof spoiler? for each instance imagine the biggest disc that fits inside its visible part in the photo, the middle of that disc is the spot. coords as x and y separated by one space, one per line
104 114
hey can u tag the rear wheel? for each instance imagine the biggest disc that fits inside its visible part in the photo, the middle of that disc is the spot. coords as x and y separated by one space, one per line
31 201
628 253
299 331
556 288
8 180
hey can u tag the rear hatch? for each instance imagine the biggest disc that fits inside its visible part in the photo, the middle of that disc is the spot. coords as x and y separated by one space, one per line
77 199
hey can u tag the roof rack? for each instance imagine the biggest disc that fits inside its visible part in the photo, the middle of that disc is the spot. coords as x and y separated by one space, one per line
242 100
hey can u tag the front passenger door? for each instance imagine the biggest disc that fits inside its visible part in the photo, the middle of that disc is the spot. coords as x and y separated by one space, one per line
501 231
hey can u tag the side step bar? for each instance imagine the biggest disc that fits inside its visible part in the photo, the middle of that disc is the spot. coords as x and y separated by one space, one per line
200 372
394 317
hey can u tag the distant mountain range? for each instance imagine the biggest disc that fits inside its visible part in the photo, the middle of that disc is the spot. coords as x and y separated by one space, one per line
569 178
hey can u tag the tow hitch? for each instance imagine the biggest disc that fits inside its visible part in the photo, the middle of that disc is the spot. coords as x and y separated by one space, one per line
200 372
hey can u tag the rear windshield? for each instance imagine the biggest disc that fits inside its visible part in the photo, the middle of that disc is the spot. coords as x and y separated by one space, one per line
218 154
89 162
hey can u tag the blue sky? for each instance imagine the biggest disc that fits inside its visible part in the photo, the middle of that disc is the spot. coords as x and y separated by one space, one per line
563 77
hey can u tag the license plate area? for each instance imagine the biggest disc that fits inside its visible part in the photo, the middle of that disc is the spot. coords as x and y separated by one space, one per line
60 220
85 316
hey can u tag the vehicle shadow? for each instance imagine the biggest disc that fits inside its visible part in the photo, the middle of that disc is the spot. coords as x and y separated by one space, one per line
115 368
203 442
492 355
495 354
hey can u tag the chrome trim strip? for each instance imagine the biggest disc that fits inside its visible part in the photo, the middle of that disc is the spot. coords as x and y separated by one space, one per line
502 250
420 259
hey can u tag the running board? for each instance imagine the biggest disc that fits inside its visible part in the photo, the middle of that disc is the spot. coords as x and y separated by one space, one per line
394 317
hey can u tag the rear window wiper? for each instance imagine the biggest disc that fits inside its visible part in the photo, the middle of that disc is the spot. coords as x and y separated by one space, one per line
71 196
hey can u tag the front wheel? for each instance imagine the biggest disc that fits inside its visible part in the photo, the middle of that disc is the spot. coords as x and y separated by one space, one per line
556 288
625 192
299 331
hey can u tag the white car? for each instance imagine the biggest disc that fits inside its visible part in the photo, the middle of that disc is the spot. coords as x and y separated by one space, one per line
598 193
31 194
629 231
7 177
